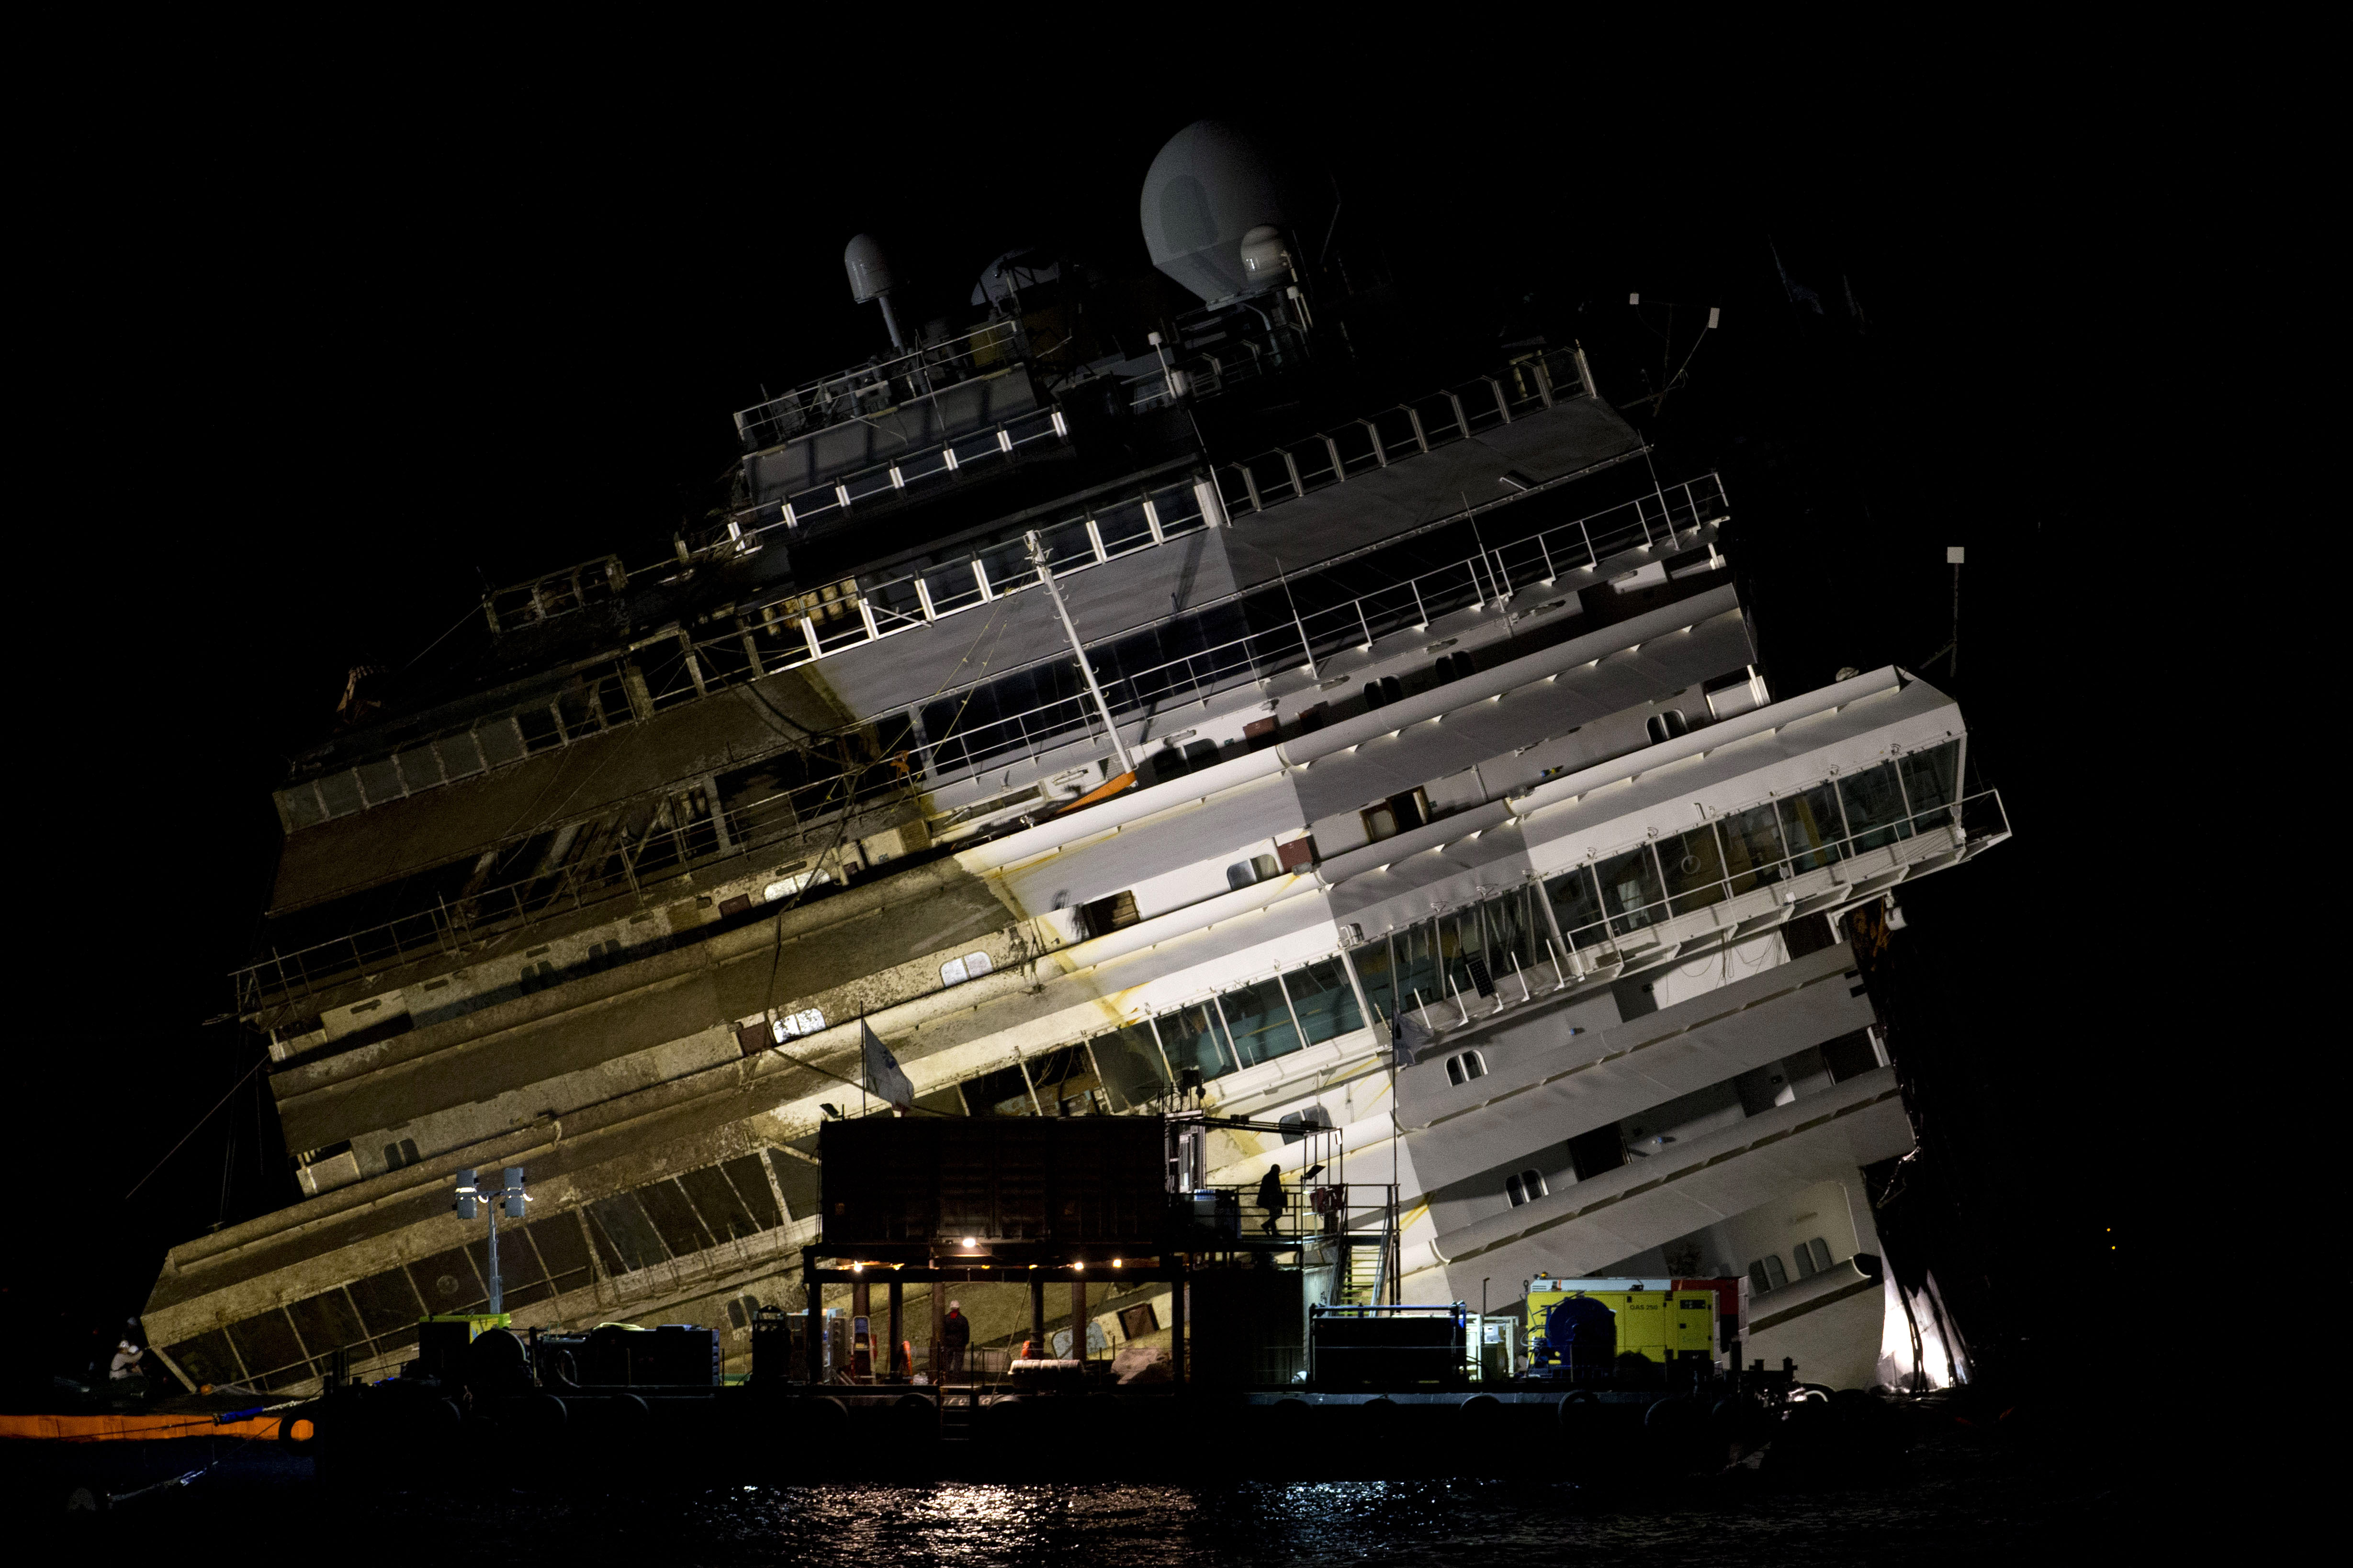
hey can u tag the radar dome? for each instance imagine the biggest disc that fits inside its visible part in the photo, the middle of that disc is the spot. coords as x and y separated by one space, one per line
868 267
1205 193
871 278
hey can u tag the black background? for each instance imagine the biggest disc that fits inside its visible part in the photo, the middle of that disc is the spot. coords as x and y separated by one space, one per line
316 356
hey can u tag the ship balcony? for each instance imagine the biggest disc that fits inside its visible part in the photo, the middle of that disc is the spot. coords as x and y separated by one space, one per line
958 740
1639 911
1585 1227
1542 1082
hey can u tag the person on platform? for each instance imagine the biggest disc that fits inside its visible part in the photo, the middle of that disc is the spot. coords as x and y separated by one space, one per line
955 1332
1270 1196
126 1372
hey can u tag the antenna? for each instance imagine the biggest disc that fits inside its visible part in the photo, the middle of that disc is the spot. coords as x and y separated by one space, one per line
1951 651
1954 555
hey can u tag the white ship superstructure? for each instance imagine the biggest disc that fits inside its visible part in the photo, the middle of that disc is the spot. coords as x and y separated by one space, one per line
1439 713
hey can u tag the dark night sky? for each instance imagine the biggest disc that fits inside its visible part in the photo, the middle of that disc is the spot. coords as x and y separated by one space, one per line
318 366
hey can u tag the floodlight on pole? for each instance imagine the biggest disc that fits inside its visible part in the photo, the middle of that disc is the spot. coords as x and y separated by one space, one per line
509 1195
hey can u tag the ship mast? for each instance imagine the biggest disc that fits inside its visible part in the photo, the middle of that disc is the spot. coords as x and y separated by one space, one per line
1038 558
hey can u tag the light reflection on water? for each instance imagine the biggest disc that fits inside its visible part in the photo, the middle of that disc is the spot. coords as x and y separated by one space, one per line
953 1523
1950 1507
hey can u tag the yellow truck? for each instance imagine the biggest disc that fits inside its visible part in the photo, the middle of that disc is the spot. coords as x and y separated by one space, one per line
1655 1320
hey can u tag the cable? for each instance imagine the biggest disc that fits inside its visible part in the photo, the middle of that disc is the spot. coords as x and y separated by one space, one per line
191 1132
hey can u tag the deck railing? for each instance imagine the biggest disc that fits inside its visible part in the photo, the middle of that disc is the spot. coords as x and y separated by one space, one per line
914 758
862 392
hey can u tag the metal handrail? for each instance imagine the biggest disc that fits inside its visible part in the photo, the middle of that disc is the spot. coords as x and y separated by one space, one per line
1491 573
936 762
820 643
1611 931
492 911
839 398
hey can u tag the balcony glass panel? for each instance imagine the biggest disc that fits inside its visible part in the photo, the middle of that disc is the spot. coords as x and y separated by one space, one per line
895 605
1694 870
1811 828
1122 528
1875 808
1193 1038
1414 953
1577 907
1752 848
1323 1000
1068 548
1513 932
1178 509
1130 1064
952 587
1931 782
1631 892
1261 1021
1010 569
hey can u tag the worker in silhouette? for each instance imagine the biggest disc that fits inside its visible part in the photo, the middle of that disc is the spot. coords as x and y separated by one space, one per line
1270 1196
1585 1333
955 1332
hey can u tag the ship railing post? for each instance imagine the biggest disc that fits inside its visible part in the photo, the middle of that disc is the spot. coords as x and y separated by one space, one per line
1592 557
815 1292
1176 1325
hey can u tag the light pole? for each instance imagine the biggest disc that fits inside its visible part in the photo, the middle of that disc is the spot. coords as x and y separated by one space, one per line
510 1197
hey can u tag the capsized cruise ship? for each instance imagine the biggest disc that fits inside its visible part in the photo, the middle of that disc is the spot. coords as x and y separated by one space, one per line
1133 700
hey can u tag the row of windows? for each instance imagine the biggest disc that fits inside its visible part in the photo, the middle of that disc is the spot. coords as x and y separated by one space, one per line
1482 951
1464 1067
1138 1065
1763 845
551 1254
971 966
1485 949
1767 1273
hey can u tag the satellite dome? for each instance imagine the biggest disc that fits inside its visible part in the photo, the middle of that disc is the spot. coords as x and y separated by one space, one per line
872 279
1207 189
868 267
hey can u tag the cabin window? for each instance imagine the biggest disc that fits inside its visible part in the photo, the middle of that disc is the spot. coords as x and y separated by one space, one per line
1765 1273
1257 868
1398 813
1525 1188
404 1152
975 964
1105 915
953 973
1814 1257
1464 1067
793 1026
786 887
